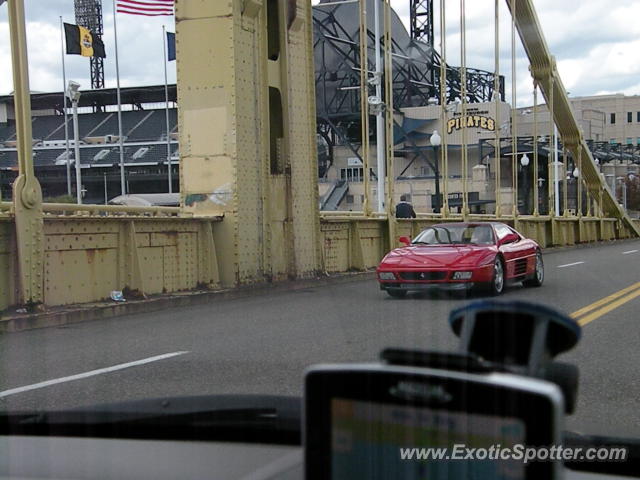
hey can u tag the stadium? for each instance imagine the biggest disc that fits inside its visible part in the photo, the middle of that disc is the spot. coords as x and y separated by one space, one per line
145 142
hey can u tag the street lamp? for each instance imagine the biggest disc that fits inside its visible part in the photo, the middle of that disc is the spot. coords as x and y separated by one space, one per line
73 93
524 161
435 141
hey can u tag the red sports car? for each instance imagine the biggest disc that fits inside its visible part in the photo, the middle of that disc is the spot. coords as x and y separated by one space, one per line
459 256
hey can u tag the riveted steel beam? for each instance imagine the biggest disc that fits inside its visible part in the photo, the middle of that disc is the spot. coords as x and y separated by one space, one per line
27 195
247 133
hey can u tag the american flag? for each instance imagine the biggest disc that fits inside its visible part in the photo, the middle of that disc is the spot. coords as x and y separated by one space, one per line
149 8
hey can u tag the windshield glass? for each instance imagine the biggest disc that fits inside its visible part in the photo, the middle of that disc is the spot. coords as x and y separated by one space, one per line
311 186
456 234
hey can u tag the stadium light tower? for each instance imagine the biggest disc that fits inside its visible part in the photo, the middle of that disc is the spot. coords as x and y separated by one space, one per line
421 18
89 15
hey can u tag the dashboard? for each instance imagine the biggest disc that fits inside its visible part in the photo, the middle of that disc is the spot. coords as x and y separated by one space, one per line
24 457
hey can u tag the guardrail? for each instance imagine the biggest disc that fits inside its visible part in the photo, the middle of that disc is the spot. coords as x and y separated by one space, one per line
102 210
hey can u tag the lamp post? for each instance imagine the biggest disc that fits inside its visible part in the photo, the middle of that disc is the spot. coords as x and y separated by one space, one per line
73 93
524 161
435 141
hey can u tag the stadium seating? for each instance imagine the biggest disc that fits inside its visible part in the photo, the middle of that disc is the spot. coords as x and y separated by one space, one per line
138 126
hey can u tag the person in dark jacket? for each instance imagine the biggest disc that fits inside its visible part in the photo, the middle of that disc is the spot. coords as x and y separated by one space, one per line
404 209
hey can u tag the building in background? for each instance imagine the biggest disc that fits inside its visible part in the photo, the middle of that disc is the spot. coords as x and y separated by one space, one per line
610 124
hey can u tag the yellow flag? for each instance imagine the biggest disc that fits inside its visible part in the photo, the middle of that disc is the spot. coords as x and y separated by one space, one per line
86 42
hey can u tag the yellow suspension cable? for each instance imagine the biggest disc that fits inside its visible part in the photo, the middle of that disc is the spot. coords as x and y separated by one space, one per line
579 185
551 184
535 149
514 122
496 94
463 95
565 163
443 112
364 104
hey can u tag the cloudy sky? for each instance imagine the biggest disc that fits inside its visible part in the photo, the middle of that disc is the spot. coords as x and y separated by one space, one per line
596 43
139 46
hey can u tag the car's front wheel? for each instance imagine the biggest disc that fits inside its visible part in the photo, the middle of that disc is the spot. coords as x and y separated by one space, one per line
397 293
496 287
538 275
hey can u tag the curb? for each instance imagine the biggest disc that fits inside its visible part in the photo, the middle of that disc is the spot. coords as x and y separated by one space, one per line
59 316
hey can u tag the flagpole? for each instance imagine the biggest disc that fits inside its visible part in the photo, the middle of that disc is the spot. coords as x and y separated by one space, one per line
166 99
123 187
64 108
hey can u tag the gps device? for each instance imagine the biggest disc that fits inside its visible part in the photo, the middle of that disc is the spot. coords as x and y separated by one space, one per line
437 416
361 420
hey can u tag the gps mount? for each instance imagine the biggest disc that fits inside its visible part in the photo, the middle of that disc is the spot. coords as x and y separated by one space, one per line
515 337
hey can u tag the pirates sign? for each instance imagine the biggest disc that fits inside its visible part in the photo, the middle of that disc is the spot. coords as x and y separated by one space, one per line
471 121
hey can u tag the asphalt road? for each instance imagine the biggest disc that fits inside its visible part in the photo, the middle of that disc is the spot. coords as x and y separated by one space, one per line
263 343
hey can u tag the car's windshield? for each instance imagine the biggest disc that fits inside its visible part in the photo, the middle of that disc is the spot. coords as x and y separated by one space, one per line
456 234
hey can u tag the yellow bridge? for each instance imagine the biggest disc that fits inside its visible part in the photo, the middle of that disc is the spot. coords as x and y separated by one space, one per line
248 178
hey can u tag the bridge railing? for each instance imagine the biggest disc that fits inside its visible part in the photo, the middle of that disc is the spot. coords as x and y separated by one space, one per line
85 253
355 241
102 210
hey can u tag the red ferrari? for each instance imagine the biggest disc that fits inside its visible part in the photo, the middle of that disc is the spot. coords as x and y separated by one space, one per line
459 256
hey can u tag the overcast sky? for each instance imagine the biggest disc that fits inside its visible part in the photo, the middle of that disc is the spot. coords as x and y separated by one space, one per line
596 44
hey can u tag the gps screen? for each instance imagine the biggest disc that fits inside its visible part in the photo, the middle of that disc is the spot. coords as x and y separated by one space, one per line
375 441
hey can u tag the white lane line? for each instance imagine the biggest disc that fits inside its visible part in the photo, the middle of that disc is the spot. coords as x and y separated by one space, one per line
629 251
570 264
91 373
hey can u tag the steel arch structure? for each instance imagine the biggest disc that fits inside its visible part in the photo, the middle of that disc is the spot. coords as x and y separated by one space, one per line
416 67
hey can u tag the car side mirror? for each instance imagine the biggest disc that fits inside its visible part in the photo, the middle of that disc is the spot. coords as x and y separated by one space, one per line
405 240
510 238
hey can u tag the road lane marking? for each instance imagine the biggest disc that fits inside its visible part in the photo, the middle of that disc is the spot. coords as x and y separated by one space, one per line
570 264
629 251
603 301
612 306
91 373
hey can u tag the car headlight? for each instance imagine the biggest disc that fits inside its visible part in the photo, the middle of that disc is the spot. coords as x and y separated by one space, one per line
386 276
462 275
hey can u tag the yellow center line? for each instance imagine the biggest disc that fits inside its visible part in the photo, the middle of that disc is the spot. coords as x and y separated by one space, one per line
604 301
606 305
612 306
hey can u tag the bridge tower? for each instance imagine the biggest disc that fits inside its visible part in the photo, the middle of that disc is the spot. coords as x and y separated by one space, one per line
89 15
246 111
